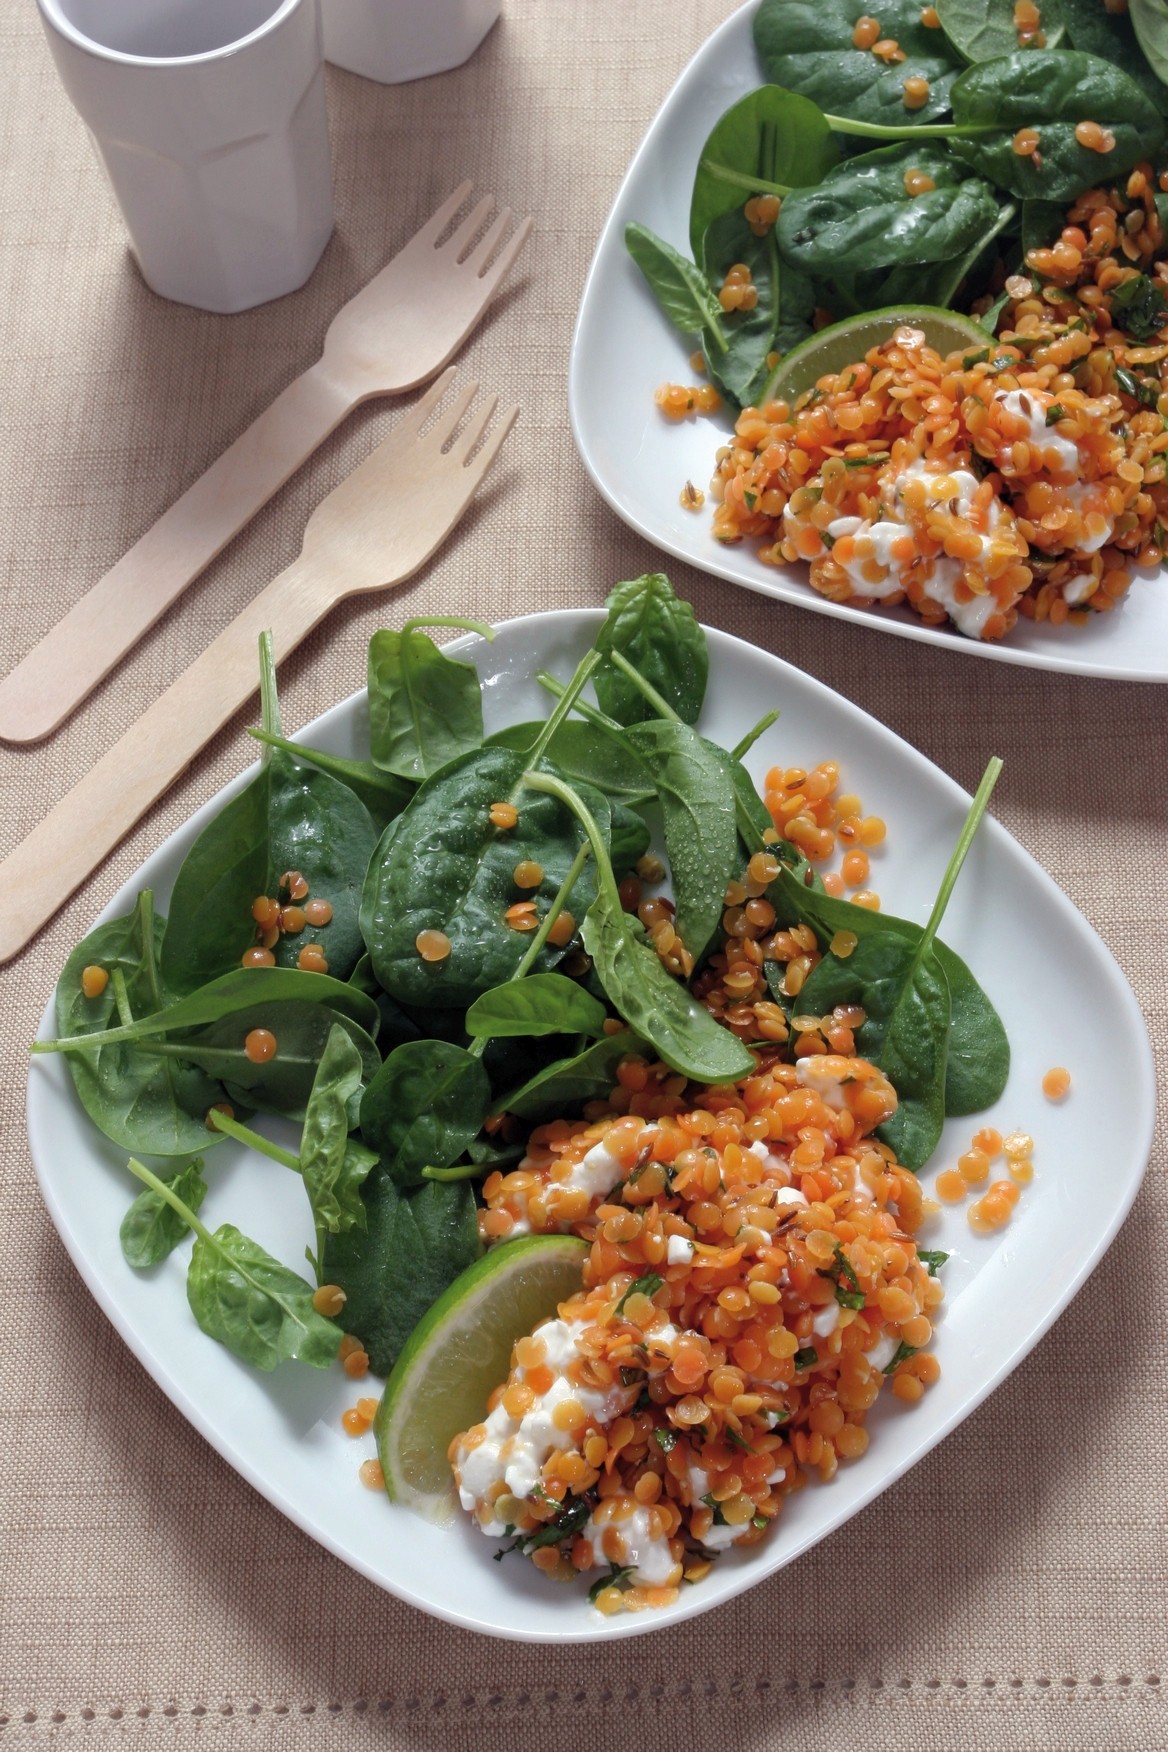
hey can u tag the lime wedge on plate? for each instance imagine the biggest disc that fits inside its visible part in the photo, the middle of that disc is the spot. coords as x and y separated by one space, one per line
845 343
457 1353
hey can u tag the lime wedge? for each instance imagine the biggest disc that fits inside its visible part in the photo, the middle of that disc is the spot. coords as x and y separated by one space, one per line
845 343
457 1353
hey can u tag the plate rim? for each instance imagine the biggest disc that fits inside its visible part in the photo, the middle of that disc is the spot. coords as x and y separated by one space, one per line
937 638
746 1575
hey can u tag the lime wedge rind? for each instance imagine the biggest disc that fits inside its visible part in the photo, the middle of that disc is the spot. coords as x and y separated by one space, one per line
457 1353
845 343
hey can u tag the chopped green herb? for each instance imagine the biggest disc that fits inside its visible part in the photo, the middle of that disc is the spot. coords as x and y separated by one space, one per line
719 1517
806 1358
1139 307
630 1377
738 1441
933 1258
972 359
1145 390
759 1521
619 1576
900 1354
642 1286
1054 413
666 1440
874 461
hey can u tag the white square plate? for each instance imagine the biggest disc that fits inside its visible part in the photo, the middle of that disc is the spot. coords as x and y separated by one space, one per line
1063 1000
624 348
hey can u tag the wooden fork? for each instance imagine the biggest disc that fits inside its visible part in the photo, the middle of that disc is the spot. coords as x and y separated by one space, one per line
398 331
373 531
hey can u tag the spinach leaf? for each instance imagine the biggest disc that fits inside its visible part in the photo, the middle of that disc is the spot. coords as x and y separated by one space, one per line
587 754
679 1029
447 868
394 1025
630 838
697 796
1110 35
333 1165
861 216
543 1003
1051 92
423 1107
1150 23
806 46
410 1248
281 1084
902 988
659 636
151 1229
679 287
229 996
383 794
424 708
564 1086
1042 221
741 373
981 30
292 817
247 1300
769 142
138 1103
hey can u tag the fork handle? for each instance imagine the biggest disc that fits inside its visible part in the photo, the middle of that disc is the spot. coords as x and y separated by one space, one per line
56 857
72 658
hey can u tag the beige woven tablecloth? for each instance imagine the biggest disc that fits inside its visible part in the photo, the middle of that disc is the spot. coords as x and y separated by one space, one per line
1012 1590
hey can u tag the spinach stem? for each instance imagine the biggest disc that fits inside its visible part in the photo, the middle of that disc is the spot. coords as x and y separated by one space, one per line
231 1128
566 702
460 1171
146 930
659 704
748 741
590 713
739 179
555 787
121 998
173 1200
553 912
925 130
269 703
964 840
448 620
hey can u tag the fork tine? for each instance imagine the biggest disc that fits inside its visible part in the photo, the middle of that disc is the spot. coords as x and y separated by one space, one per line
482 460
467 227
432 230
412 421
491 276
474 429
450 417
481 252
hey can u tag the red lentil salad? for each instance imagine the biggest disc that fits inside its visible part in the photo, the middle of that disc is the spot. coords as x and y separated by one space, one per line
495 1010
969 155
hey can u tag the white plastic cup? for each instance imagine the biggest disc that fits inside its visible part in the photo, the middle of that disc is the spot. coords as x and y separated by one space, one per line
395 40
209 119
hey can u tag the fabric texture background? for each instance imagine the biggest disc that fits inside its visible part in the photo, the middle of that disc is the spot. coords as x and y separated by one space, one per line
1012 1589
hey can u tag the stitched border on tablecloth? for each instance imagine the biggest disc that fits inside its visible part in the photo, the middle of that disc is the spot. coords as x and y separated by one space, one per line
499 1703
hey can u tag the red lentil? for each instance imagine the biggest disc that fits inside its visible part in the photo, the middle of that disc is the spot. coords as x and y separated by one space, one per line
259 1045
94 980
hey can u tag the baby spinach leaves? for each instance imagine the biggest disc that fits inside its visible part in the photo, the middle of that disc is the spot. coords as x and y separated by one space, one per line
860 216
807 46
1052 92
240 1295
570 1082
1139 307
697 798
152 1228
423 1107
657 1006
982 30
769 142
543 1003
410 1248
424 707
656 632
1111 36
383 794
291 817
679 287
140 1103
901 984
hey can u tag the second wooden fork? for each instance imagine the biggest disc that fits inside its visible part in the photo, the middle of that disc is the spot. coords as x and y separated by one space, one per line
396 333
